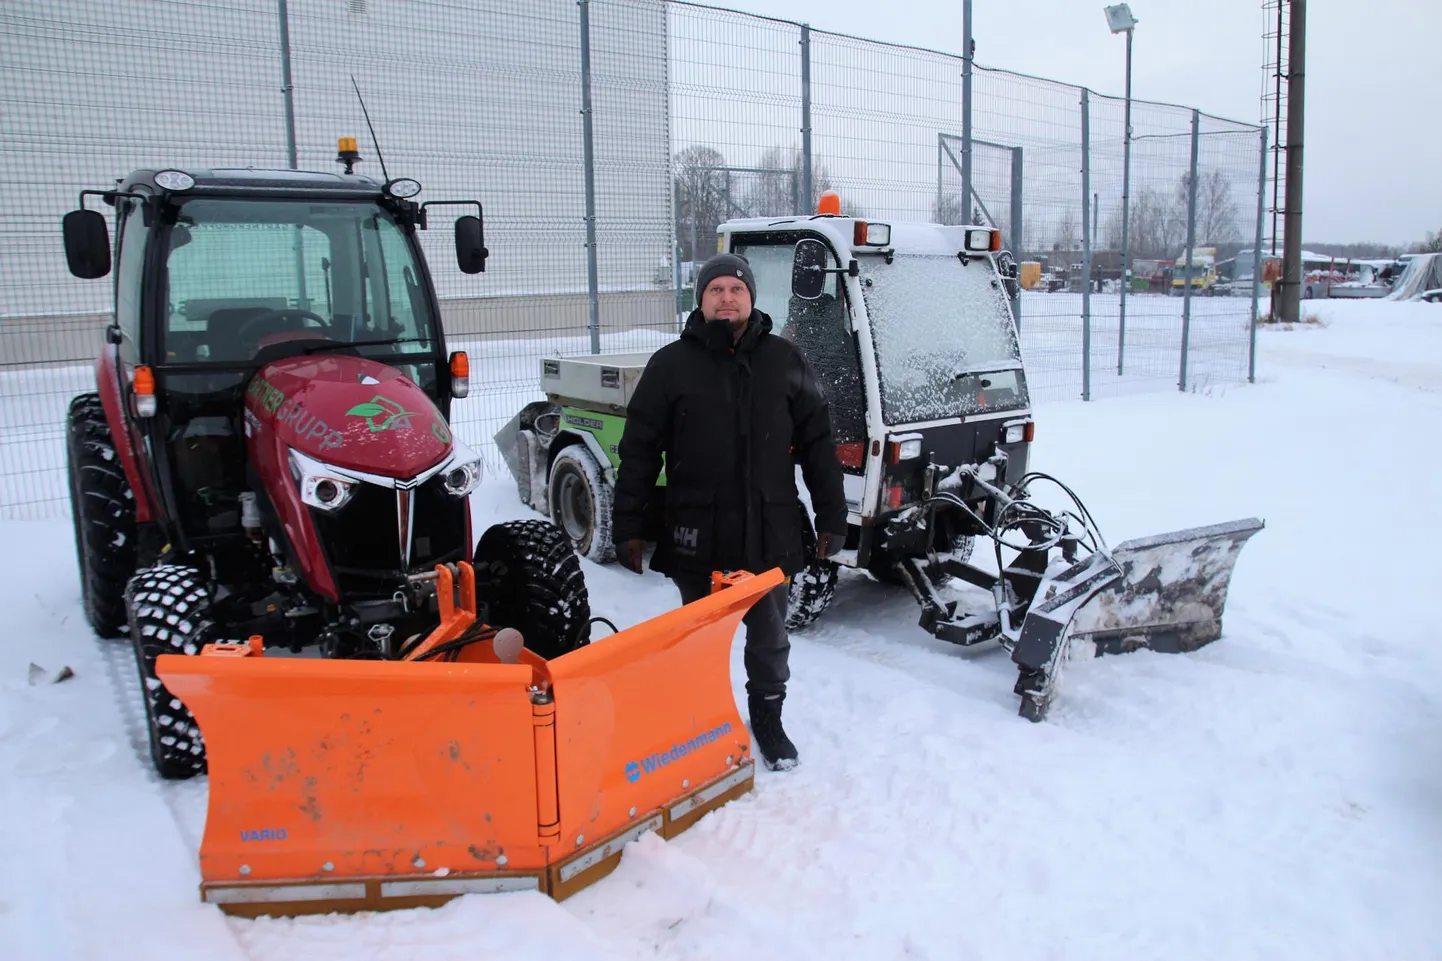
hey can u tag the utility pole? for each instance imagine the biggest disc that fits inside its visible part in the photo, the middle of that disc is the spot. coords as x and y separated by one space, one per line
1289 303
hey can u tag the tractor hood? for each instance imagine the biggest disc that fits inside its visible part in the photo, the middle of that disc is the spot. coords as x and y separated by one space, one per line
349 412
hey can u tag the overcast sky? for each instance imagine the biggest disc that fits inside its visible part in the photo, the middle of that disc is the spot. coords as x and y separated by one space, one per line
1374 72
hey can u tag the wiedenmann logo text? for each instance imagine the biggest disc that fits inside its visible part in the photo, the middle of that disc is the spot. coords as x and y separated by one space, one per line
660 759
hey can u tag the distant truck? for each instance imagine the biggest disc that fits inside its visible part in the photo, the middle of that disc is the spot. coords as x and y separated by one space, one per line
1201 275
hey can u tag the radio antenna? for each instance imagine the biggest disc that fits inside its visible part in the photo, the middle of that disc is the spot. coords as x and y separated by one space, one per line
374 141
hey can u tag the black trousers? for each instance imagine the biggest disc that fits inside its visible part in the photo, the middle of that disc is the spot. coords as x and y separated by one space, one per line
768 647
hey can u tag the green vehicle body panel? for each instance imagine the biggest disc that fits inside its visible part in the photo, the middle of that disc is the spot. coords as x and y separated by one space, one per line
607 429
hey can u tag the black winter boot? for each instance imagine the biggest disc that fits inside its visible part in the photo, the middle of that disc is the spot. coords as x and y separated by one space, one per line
776 748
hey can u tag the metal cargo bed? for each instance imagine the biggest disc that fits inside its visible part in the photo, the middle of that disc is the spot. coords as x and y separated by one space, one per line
600 382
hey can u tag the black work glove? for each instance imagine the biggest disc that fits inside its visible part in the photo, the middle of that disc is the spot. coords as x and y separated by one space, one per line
632 554
828 545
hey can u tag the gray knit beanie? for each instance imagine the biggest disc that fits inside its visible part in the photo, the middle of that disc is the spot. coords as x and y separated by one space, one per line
727 265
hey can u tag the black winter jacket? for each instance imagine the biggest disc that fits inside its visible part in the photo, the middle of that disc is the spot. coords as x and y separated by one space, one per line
732 421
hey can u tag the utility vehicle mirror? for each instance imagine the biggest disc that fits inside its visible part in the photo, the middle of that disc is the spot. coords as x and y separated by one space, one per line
470 245
87 243
808 269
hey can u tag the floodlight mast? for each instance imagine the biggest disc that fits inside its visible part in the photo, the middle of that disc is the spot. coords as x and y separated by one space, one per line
1120 20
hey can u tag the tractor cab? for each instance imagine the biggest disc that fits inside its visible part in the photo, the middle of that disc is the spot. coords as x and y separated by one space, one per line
220 272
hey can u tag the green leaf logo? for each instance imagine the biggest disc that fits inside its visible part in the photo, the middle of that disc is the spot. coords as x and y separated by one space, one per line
391 414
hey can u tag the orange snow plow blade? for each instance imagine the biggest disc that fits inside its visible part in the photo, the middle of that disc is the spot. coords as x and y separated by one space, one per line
365 785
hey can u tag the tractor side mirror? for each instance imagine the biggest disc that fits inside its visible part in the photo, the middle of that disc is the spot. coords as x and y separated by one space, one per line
470 245
808 269
87 243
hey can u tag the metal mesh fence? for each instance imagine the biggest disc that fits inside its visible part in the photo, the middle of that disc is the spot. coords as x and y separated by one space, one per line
696 115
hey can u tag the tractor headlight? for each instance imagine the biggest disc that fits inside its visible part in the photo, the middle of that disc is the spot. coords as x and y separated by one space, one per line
320 487
461 478
176 180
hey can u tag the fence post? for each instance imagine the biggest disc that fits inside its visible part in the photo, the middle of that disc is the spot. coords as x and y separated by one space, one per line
287 91
940 150
806 193
1086 245
1191 244
1017 226
966 56
1257 260
286 88
592 282
676 248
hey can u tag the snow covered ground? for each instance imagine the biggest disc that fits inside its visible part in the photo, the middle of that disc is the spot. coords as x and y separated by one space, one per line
1276 795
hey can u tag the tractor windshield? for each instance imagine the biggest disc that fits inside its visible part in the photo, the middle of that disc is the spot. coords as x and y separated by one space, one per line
945 342
241 274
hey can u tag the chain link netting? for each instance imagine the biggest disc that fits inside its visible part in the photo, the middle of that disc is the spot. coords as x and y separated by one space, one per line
697 115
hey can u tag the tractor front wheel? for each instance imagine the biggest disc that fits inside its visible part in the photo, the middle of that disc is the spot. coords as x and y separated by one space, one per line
529 578
169 614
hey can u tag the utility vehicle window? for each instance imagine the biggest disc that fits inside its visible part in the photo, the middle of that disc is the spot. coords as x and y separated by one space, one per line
821 328
771 264
243 274
944 338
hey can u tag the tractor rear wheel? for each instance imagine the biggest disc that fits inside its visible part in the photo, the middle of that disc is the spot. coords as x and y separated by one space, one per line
529 578
169 614
102 509
580 502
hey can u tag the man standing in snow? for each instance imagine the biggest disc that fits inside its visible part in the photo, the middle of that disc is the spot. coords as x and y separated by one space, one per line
732 408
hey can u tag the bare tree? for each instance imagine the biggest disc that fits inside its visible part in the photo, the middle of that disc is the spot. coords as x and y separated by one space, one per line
701 200
770 193
777 190
1068 234
1216 210
1432 245
1113 231
948 209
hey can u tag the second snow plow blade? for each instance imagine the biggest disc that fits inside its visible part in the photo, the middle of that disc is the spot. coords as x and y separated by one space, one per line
365 785
1171 592
1164 593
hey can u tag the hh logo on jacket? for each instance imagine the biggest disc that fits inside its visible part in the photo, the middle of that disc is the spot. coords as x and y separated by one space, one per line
685 537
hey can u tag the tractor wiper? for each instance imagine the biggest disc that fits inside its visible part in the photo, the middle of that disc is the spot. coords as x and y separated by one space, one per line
319 348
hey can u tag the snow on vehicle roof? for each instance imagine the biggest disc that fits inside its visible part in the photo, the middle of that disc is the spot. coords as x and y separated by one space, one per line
906 237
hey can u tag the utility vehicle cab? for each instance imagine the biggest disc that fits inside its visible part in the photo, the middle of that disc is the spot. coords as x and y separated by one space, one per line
910 331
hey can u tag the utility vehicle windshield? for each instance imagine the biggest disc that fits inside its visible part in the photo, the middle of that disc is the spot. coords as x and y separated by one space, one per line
241 274
944 337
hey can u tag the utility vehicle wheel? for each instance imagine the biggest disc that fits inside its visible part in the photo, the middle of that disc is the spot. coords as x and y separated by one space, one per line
813 586
102 508
580 502
169 614
529 577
